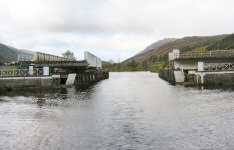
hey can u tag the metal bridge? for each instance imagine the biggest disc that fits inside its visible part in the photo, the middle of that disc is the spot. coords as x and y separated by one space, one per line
59 64
51 71
214 54
53 64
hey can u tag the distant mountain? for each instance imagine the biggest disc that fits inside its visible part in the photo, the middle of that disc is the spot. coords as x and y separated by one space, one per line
225 43
7 54
151 47
156 45
25 51
10 54
161 51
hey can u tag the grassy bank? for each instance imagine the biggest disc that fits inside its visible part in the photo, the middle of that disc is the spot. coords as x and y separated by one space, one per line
157 67
134 66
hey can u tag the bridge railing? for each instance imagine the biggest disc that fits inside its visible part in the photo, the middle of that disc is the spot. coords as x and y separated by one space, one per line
53 63
20 73
218 67
207 54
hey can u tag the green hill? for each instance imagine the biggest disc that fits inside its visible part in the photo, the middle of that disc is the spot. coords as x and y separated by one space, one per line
155 56
185 44
7 54
225 43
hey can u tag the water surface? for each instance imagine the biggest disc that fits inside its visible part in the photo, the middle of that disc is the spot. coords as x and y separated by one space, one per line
135 111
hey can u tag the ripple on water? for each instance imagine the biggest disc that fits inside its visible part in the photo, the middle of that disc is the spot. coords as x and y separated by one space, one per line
128 111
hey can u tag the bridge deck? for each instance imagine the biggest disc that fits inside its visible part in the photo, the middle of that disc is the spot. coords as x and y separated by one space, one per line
206 55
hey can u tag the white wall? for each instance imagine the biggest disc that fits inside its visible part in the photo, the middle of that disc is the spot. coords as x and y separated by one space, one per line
93 60
71 79
179 76
200 66
46 71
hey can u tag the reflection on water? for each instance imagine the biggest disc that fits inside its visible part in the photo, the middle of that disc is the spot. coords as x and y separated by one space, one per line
128 111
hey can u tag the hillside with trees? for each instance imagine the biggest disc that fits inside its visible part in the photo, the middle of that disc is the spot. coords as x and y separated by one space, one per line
7 54
157 57
225 43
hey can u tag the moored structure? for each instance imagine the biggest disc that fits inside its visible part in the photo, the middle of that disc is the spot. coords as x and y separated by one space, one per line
45 70
208 68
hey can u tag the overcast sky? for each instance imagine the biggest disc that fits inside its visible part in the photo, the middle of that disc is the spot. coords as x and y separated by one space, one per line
112 29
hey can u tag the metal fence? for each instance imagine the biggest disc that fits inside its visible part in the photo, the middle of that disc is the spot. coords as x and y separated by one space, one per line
20 73
208 54
219 66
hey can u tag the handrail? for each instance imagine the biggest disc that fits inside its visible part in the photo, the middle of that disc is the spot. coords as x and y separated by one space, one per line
20 73
208 54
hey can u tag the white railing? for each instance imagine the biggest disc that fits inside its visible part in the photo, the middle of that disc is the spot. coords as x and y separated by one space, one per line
19 72
208 54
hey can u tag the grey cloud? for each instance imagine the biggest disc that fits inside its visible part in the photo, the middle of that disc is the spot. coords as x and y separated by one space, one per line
111 26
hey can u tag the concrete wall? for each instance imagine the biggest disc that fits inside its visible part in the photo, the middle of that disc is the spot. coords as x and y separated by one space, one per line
86 79
219 79
71 79
168 75
179 76
29 82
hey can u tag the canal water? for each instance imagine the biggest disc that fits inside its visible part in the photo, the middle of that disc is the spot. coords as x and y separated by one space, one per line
129 111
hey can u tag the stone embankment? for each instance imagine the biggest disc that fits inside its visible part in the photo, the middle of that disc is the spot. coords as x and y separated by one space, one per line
167 75
80 80
209 80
